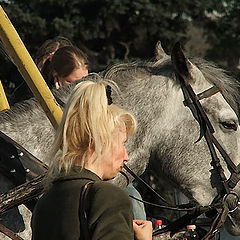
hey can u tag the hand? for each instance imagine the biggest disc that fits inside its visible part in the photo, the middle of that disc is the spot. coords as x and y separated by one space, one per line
142 229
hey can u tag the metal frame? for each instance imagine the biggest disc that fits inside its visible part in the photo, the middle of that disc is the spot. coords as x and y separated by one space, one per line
28 69
3 99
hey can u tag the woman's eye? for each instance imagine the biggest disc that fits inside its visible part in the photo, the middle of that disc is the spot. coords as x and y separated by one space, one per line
229 125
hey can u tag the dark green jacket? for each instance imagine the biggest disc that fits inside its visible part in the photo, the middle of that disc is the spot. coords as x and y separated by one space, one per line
56 214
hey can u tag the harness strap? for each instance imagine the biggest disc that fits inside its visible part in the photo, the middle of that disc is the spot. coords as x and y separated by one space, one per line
229 162
12 235
217 222
141 180
233 180
182 221
207 93
19 165
10 164
206 129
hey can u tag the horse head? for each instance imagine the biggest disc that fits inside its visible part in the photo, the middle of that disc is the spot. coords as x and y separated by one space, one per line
189 164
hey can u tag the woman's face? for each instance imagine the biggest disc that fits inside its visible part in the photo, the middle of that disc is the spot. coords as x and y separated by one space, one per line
77 74
113 162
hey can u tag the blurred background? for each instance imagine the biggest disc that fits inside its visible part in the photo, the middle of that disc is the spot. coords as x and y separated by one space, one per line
117 30
109 31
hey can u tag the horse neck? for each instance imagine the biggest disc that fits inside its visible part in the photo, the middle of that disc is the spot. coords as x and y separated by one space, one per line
155 101
27 124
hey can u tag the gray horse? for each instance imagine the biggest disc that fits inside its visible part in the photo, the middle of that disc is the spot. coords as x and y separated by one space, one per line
167 131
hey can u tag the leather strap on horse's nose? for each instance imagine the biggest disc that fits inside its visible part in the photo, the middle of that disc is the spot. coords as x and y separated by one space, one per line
233 180
235 170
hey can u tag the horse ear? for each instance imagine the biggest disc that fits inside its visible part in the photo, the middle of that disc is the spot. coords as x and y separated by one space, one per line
159 52
181 64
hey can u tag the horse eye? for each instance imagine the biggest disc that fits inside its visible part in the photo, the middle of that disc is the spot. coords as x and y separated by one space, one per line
229 125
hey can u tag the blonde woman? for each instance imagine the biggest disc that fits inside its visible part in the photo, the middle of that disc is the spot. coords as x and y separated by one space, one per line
89 147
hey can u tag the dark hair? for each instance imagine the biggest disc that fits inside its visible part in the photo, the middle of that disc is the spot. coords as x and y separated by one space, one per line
48 47
64 61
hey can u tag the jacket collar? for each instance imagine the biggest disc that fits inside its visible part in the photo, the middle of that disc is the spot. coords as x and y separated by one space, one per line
79 173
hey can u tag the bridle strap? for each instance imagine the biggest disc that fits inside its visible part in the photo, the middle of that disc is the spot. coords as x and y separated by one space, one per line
206 128
216 163
211 140
235 170
181 222
191 101
207 93
147 185
192 211
229 162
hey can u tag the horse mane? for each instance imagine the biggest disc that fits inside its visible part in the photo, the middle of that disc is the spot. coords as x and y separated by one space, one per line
140 70
227 84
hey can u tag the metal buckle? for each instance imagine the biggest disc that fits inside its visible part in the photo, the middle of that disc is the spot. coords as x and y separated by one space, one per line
238 200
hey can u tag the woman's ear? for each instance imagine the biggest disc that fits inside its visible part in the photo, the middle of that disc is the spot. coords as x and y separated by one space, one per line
56 81
57 84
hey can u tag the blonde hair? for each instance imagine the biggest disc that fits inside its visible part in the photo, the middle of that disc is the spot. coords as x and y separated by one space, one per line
88 124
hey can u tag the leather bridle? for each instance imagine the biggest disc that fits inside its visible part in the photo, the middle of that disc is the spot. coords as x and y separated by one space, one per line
192 101
219 204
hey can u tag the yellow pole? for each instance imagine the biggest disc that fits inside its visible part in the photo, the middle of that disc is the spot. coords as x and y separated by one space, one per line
3 99
28 69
